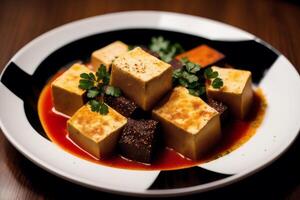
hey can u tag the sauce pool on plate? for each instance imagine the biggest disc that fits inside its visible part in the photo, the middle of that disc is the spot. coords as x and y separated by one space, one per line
234 134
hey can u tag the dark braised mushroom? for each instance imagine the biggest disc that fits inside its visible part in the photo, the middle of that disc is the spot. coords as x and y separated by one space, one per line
138 140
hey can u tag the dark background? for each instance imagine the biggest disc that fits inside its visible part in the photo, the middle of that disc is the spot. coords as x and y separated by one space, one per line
276 22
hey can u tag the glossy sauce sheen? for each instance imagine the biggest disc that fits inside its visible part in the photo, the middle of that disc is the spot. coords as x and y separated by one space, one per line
235 133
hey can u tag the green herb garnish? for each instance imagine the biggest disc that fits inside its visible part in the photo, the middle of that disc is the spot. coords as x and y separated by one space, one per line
192 77
209 73
97 106
197 92
190 67
217 83
164 48
96 87
113 91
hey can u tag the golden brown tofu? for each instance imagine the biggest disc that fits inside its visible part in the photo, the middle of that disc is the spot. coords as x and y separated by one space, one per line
190 126
107 54
67 96
236 92
142 77
97 134
202 55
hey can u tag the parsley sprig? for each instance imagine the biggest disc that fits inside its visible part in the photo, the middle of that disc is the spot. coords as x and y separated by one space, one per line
165 49
192 77
210 74
97 85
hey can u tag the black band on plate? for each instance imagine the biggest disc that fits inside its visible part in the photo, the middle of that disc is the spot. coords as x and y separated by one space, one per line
185 178
26 88
17 81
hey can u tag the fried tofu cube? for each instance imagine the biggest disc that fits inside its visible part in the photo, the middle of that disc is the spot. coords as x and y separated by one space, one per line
67 96
190 126
236 92
107 54
141 77
97 134
203 55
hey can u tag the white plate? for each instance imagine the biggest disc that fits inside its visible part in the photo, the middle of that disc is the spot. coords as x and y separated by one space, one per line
280 83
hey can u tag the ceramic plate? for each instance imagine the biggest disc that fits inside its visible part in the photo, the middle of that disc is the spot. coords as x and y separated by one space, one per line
28 71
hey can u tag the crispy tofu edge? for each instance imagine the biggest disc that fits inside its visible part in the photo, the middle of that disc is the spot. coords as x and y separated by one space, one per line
162 83
82 141
172 134
96 148
247 98
168 66
208 87
95 62
232 98
133 81
202 140
129 81
183 134
65 101
208 139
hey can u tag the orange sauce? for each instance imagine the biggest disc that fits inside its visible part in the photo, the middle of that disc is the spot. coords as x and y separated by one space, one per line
235 134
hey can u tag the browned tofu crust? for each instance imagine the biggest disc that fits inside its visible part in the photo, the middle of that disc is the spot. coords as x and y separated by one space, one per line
67 96
97 134
190 125
141 77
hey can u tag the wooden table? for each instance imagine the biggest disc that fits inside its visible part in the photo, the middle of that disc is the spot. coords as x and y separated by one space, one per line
276 22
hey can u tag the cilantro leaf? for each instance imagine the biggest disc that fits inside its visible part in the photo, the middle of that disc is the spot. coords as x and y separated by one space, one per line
189 77
94 105
184 60
99 107
183 82
158 44
92 93
103 109
194 85
85 76
192 67
194 92
112 91
193 77
198 91
164 48
217 83
177 73
106 80
96 86
89 76
101 72
92 76
210 74
86 84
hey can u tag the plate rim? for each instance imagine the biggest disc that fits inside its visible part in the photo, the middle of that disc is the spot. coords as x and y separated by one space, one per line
164 192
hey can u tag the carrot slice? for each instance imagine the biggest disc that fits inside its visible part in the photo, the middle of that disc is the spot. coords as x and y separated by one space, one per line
202 55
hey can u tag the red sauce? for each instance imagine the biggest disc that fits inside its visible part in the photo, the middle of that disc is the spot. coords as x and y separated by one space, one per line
235 134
